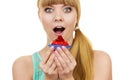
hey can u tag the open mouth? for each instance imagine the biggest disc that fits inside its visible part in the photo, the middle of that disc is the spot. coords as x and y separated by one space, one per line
58 29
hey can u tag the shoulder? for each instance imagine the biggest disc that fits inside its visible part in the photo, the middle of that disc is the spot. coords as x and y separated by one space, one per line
22 68
102 66
102 56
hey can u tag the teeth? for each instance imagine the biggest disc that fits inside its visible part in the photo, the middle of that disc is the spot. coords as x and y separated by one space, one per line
59 27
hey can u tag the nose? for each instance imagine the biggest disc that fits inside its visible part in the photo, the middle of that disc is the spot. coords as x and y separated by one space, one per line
58 17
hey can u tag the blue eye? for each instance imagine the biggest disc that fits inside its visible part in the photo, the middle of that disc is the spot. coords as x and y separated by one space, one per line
48 10
67 9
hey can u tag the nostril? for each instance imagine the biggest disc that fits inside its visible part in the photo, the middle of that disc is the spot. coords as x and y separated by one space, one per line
58 18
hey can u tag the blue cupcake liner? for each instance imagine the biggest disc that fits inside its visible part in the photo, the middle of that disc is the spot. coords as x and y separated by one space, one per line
56 45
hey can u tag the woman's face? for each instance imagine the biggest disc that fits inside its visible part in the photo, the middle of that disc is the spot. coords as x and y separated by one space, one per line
58 19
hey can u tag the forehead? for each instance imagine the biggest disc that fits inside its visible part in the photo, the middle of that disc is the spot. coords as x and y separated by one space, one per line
43 3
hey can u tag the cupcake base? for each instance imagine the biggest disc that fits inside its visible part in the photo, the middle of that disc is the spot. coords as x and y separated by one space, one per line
56 45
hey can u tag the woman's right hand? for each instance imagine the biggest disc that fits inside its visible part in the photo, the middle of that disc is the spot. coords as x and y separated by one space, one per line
48 65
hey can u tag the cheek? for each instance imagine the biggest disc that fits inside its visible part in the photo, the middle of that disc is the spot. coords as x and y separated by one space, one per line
45 19
46 22
71 20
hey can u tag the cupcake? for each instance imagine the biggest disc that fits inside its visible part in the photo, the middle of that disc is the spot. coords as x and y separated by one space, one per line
59 42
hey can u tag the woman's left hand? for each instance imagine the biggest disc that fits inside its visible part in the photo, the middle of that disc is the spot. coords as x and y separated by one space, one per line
65 63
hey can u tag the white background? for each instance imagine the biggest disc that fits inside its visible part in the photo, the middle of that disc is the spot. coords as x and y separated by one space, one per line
22 34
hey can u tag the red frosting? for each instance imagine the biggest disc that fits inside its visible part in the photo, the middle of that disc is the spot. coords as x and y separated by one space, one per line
59 41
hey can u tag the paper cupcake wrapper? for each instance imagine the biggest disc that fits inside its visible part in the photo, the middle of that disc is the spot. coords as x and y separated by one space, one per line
56 45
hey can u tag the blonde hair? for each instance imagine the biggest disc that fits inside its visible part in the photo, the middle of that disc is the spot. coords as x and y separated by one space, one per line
82 51
81 48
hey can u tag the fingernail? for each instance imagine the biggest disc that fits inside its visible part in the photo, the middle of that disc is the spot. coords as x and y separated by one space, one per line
52 47
63 46
56 52
58 48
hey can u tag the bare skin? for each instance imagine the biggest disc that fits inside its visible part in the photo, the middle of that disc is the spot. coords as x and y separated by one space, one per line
55 63
23 70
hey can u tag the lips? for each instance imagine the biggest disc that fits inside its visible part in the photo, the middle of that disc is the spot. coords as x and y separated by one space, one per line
58 29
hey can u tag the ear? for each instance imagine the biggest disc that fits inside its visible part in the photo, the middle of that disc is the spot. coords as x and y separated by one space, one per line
76 22
39 15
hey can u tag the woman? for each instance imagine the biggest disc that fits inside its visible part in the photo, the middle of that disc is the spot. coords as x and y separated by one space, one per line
80 62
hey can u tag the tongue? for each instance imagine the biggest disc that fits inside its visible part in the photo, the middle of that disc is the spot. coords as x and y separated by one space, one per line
58 32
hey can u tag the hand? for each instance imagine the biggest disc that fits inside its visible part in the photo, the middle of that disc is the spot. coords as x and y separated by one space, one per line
65 63
48 65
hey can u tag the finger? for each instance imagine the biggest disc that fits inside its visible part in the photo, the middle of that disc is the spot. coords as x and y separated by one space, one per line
68 54
48 64
52 68
55 71
50 61
63 55
72 60
62 63
47 55
59 67
45 58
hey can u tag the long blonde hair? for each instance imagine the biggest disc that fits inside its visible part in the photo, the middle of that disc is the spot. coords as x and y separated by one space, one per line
81 48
